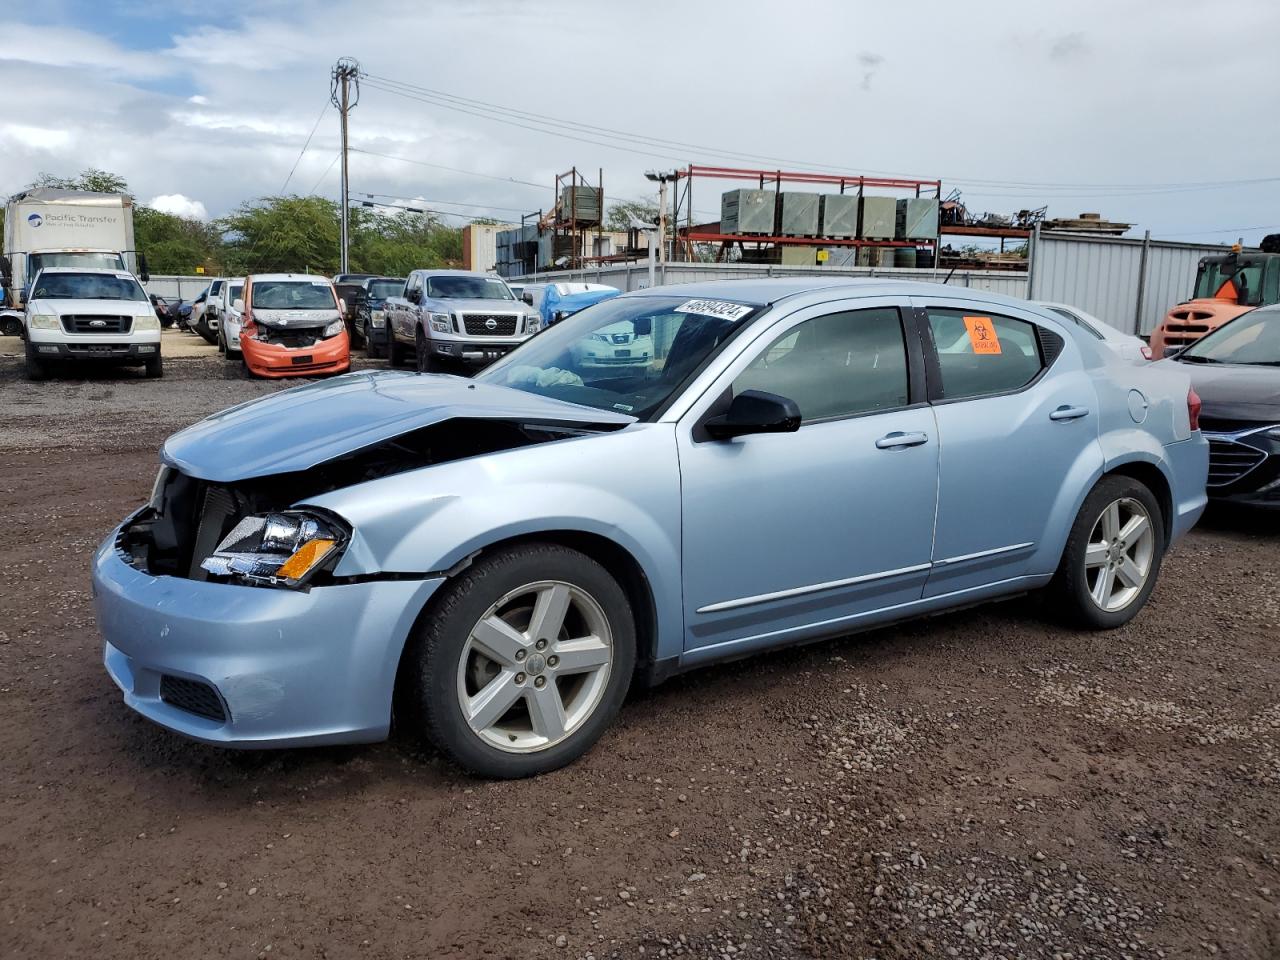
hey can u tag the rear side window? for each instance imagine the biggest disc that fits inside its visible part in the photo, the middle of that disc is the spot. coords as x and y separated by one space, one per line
983 353
838 365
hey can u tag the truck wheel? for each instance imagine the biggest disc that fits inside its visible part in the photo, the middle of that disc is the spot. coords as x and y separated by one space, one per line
1112 557
425 361
222 343
396 352
155 367
10 326
371 350
523 661
35 369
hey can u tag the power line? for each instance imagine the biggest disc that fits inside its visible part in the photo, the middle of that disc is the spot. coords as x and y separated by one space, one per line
515 117
441 166
325 174
315 126
1193 233
451 203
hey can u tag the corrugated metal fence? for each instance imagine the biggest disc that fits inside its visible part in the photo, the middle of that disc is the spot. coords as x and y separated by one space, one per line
175 287
634 276
1131 284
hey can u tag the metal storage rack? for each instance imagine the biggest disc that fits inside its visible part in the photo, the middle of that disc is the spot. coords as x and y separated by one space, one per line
691 233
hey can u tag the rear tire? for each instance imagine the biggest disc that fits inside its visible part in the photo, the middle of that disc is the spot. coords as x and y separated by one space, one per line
396 352
1113 554
555 690
155 367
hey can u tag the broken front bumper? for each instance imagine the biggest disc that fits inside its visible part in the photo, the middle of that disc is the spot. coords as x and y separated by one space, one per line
255 666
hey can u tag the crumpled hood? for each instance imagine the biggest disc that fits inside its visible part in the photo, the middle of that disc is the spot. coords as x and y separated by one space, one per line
1236 392
294 319
111 308
300 428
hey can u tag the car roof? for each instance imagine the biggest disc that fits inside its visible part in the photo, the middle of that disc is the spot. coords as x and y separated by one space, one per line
767 290
112 271
306 277
457 273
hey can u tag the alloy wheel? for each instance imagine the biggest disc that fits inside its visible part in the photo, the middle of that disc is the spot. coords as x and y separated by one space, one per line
1119 555
535 666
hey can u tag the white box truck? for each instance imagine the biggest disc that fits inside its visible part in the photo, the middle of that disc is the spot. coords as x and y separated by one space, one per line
46 227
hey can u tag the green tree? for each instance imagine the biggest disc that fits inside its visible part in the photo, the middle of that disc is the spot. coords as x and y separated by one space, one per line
92 179
620 213
393 245
281 234
176 245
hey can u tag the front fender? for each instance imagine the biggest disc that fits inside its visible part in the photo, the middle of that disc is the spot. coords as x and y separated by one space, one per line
624 486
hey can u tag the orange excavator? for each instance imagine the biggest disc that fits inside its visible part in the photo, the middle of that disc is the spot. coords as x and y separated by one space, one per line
1227 285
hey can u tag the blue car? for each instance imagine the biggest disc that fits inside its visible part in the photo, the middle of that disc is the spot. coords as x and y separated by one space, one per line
557 305
491 562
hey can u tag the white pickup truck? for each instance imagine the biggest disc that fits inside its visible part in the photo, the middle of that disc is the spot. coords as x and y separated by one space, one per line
88 314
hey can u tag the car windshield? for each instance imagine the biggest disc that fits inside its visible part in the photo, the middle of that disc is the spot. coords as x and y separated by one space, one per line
88 286
381 289
1235 278
630 354
293 295
467 288
1252 338
101 261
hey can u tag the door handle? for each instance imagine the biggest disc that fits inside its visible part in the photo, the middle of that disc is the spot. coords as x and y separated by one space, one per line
1069 413
899 439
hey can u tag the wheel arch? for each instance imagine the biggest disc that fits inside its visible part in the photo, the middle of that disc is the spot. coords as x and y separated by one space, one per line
615 558
1154 479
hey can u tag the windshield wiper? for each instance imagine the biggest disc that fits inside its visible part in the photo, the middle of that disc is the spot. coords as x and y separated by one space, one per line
1196 358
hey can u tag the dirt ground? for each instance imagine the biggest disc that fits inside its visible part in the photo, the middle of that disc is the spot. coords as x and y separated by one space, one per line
980 784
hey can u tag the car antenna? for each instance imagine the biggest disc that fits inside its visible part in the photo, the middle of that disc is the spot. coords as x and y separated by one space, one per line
948 276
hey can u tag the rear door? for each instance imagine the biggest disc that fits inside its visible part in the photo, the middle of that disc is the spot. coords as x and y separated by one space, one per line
1017 423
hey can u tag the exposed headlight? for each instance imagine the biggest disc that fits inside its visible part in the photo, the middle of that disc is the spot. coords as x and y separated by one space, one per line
378 318
602 337
44 321
532 324
440 322
334 328
147 324
276 549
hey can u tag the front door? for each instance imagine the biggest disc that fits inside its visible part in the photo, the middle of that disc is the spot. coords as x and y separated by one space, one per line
792 535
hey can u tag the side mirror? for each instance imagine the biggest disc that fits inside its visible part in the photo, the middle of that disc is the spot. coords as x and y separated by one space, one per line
559 315
237 305
642 327
6 270
755 411
527 297
414 296
143 273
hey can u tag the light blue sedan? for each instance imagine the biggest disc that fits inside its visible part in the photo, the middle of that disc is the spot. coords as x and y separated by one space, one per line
492 561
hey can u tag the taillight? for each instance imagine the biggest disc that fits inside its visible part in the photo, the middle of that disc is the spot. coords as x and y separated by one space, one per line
1146 352
1193 408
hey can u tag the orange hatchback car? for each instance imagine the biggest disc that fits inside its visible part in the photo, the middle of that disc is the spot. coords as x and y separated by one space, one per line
293 326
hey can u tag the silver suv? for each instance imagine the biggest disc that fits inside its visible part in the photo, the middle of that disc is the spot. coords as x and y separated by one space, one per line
450 318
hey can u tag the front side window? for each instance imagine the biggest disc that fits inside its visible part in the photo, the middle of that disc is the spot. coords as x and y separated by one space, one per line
982 353
629 354
237 291
88 286
452 287
292 295
837 365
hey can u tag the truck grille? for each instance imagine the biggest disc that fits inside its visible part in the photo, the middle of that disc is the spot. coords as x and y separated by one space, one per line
93 323
192 696
1229 461
490 324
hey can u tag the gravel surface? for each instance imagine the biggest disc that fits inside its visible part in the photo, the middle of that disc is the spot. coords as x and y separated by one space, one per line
982 784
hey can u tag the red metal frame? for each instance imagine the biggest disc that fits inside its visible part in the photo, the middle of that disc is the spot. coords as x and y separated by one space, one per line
779 176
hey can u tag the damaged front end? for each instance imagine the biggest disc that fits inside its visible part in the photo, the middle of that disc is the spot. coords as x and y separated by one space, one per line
252 532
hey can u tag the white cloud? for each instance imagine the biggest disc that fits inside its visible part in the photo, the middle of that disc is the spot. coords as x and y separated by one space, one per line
67 47
179 205
198 100
38 138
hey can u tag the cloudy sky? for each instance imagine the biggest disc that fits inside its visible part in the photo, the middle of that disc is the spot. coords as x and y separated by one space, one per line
1165 114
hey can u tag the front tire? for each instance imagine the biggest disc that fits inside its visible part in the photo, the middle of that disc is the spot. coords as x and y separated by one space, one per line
396 352
426 362
1113 555
155 367
523 661
35 369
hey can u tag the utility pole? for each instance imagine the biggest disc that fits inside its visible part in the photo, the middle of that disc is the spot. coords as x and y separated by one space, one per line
344 93
662 179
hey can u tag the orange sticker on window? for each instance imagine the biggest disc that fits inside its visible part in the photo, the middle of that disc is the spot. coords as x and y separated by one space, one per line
982 334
